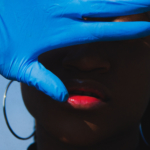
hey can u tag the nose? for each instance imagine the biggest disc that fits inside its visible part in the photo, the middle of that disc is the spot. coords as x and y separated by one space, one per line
87 57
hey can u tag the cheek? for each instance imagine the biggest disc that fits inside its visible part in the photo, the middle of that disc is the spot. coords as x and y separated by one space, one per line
32 99
129 82
44 109
132 84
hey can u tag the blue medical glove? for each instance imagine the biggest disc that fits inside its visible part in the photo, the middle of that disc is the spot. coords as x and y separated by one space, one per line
29 28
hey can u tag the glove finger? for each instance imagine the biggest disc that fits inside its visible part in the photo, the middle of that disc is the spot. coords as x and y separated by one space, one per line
105 8
38 76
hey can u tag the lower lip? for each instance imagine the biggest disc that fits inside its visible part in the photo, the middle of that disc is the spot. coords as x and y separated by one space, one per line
84 102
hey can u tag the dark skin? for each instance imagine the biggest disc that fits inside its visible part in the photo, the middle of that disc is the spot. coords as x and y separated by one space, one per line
123 67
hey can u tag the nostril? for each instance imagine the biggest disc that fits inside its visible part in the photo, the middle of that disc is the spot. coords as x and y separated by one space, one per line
87 64
87 58
69 67
104 69
84 68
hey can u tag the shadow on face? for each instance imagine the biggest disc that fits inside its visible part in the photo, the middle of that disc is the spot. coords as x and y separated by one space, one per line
121 67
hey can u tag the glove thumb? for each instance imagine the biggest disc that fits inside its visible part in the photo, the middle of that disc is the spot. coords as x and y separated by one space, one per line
38 76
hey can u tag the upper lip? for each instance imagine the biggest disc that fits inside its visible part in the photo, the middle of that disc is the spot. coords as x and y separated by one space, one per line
91 86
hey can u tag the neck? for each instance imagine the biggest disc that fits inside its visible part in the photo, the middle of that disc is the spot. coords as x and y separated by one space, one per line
125 141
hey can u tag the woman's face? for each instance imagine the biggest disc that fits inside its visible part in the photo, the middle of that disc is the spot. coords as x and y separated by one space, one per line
121 69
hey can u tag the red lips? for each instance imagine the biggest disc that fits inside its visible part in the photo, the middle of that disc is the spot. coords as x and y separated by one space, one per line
83 102
86 94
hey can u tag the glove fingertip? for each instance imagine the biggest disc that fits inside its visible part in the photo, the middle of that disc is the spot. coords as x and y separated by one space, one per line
44 80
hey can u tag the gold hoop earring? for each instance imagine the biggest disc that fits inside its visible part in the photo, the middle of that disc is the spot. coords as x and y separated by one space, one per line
5 116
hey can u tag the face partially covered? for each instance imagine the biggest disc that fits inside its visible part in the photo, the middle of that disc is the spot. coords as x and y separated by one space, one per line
119 70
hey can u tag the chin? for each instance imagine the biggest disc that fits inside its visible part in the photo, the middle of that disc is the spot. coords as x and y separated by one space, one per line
79 141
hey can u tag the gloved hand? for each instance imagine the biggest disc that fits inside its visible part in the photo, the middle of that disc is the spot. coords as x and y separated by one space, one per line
29 28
